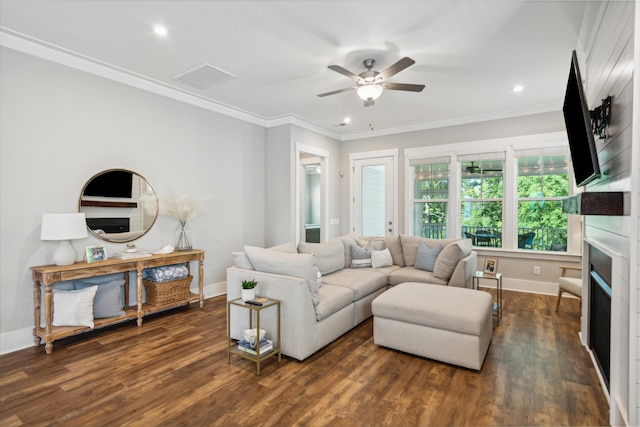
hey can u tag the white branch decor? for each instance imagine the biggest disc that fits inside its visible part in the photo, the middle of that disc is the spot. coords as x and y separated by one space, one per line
182 207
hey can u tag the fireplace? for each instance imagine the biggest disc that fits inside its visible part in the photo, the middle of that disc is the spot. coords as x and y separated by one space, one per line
600 310
109 225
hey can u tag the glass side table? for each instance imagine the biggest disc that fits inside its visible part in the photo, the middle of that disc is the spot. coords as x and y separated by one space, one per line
497 305
254 311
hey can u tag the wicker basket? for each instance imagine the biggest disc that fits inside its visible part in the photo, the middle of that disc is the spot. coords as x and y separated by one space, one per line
159 293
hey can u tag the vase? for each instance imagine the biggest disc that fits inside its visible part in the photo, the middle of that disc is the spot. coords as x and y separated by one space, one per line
248 294
183 239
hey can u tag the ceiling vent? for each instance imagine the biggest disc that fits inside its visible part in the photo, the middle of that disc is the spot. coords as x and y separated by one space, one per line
203 76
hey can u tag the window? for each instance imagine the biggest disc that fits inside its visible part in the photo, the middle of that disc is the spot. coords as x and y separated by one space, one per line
430 199
482 193
543 182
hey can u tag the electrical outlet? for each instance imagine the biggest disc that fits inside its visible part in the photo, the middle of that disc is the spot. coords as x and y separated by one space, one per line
536 269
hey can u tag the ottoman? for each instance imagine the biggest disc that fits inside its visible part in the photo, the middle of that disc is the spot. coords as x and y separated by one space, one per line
449 324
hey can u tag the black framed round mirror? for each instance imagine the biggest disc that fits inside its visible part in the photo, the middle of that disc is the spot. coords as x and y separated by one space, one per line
120 205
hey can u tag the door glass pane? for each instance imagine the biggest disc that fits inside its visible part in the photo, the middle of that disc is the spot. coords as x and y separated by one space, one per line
373 200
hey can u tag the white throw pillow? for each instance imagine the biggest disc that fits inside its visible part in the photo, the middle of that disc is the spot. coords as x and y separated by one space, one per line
74 308
381 258
241 260
329 255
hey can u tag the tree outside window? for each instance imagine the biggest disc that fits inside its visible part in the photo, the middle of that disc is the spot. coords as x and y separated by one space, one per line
431 197
482 192
543 182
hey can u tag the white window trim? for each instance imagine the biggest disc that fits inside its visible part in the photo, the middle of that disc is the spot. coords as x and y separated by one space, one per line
546 143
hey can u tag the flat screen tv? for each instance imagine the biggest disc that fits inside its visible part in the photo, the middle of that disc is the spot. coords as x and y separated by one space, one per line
582 145
115 183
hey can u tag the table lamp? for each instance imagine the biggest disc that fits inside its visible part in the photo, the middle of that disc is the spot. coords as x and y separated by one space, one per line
63 227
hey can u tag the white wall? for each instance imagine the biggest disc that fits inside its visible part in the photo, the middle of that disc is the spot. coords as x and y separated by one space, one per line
59 126
606 57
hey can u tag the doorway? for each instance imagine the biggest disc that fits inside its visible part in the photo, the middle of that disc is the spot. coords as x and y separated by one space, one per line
374 193
312 211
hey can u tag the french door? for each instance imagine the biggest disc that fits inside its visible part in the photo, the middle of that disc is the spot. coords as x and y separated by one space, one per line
373 196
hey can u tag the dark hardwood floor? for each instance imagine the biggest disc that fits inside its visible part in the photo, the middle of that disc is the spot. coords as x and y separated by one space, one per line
173 371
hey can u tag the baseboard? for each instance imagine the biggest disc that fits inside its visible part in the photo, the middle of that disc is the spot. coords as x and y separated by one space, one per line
23 338
545 288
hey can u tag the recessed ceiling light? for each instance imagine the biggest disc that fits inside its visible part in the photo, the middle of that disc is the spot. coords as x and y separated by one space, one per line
347 120
518 88
160 30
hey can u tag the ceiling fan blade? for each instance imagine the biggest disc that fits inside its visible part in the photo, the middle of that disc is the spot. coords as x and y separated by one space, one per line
396 68
345 72
403 86
337 91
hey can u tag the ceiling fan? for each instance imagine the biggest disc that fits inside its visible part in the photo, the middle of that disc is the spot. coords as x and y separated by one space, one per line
370 83
477 169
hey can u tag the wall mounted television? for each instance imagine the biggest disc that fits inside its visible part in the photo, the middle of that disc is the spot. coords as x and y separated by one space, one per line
582 145
115 183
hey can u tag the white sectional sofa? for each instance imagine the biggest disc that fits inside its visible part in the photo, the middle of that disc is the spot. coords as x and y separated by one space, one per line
323 295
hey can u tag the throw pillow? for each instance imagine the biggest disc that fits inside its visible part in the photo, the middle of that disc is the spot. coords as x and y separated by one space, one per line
108 301
381 258
426 257
448 259
377 243
360 257
74 308
298 265
241 260
329 255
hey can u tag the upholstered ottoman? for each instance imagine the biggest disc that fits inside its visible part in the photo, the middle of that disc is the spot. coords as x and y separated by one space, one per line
449 324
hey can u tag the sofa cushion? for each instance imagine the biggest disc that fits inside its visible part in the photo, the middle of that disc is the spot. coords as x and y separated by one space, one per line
299 265
381 258
332 299
426 256
412 274
360 257
395 247
241 260
347 241
362 282
410 246
329 255
449 258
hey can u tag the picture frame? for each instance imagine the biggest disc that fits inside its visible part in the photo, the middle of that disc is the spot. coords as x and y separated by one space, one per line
490 266
95 253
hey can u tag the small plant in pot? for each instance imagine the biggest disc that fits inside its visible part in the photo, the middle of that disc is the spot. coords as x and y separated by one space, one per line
249 290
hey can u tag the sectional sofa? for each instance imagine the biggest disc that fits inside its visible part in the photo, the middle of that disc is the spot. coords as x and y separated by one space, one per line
327 288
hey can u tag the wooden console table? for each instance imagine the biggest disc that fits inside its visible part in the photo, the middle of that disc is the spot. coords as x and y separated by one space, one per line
46 275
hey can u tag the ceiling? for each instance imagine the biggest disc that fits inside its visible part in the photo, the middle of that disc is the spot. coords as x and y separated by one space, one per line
469 54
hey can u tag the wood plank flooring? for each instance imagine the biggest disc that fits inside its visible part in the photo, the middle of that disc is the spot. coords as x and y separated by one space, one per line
173 371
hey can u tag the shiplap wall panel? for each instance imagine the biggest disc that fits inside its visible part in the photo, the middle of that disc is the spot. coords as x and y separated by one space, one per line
609 71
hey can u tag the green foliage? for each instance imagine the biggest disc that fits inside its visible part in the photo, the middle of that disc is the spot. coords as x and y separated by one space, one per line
249 284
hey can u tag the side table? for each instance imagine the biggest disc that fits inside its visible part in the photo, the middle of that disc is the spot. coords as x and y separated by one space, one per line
258 358
497 306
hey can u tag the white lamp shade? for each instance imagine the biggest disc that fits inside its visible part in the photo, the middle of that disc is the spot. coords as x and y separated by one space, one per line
369 91
65 226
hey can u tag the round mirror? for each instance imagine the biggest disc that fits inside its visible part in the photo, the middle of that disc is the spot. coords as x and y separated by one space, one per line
120 205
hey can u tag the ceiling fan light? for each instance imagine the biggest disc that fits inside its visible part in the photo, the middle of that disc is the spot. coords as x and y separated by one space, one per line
369 91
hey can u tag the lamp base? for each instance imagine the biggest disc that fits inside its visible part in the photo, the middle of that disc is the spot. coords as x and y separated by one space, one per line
65 254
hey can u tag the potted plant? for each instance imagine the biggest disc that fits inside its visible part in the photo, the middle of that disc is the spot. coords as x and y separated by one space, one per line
249 290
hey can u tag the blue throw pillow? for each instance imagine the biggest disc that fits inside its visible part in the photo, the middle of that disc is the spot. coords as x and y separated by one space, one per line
426 257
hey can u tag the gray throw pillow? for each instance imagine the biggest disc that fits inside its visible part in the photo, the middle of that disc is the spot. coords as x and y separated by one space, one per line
449 258
426 257
360 257
108 301
329 255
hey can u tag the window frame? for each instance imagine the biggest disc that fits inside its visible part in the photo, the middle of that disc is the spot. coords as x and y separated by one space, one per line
546 144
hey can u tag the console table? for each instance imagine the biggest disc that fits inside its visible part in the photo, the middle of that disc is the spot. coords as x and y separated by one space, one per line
46 275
